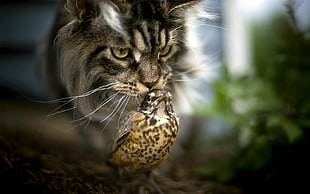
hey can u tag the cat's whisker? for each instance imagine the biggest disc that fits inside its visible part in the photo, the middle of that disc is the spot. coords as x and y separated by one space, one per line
122 111
100 88
59 100
68 100
119 104
55 111
88 93
106 101
210 25
180 26
76 126
61 111
185 80
80 124
87 123
114 111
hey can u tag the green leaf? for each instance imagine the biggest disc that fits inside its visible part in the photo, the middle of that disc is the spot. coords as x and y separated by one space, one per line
292 131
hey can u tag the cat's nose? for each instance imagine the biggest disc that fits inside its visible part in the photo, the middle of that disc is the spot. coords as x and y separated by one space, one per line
149 84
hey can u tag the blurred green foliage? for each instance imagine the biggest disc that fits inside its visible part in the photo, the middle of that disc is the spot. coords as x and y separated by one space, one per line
268 109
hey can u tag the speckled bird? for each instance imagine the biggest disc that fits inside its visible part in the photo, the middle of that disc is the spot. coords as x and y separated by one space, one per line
147 135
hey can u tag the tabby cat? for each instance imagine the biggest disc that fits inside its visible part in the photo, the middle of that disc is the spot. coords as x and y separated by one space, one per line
105 55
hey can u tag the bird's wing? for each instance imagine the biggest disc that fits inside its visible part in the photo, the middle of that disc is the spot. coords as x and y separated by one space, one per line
122 132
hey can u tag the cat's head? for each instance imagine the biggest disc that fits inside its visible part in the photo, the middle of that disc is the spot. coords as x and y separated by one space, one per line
120 49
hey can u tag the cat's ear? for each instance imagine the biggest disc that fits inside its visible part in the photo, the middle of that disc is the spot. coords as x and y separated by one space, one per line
82 10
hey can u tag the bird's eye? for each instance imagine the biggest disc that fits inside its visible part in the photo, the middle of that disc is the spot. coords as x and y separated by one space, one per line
149 98
120 53
164 51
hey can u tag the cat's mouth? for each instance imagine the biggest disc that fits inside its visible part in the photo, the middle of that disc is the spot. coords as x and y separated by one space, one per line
116 99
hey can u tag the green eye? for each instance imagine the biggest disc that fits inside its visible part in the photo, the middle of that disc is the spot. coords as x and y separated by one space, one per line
120 53
164 51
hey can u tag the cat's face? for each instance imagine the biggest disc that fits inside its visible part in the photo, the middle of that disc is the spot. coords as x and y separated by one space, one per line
114 52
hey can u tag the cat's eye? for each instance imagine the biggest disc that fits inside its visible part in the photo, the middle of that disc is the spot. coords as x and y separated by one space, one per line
164 51
120 53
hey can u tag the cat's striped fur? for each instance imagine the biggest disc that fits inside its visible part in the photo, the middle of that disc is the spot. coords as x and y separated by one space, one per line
107 54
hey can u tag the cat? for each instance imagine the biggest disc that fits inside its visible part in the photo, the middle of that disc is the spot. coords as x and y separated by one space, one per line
103 56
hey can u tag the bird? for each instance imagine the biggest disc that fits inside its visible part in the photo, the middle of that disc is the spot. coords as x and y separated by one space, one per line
147 134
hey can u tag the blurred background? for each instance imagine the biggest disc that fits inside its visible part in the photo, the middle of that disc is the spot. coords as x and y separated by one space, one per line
256 108
23 24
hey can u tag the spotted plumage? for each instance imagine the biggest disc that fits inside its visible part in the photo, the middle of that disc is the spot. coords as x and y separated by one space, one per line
147 135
